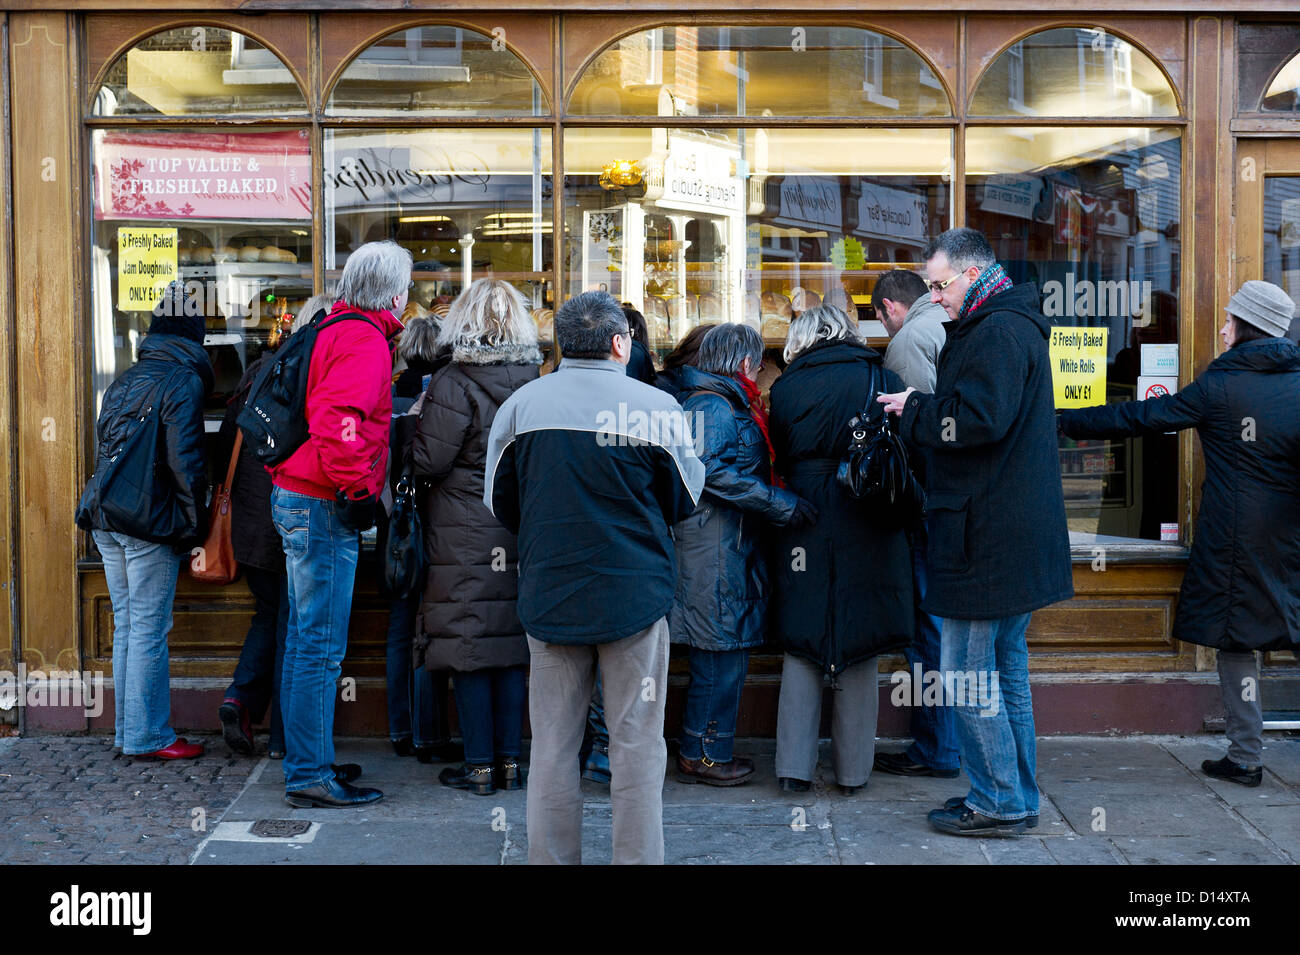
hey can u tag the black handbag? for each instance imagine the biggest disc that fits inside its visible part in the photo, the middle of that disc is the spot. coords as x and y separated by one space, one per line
875 470
403 554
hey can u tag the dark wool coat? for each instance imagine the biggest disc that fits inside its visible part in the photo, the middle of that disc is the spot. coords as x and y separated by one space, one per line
467 615
253 536
1241 591
995 511
842 587
174 372
722 580
639 364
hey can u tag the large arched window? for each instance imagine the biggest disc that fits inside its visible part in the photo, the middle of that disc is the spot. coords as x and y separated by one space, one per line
1092 214
758 71
467 201
725 212
221 207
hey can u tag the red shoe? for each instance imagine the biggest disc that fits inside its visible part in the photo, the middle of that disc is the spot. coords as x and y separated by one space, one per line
181 749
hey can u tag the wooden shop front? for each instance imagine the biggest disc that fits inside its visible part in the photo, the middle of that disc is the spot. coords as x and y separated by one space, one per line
704 168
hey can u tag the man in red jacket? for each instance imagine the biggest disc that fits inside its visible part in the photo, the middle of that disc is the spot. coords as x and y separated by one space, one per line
323 497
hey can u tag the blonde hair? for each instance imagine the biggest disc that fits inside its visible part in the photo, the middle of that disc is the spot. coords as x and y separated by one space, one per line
489 311
309 309
823 323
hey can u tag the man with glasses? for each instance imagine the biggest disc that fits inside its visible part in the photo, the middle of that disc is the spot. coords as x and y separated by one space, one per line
998 547
591 468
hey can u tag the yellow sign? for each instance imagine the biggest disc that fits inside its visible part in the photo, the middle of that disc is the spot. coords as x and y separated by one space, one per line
146 263
1078 357
848 255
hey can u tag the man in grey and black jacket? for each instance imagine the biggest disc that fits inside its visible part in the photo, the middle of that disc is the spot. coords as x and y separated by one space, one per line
590 468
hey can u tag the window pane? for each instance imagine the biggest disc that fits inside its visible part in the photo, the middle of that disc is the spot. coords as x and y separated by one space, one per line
1268 68
1073 71
468 203
759 71
748 225
1282 237
228 213
1092 216
433 71
198 70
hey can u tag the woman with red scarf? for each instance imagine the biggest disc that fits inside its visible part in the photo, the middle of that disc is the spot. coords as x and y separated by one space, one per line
720 607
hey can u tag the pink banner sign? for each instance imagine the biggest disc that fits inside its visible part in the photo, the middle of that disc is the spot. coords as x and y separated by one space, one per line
181 175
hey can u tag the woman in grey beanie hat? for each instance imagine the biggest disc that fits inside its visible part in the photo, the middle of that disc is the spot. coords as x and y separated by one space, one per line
1240 594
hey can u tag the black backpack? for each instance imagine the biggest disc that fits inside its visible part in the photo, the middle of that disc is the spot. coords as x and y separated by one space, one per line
274 416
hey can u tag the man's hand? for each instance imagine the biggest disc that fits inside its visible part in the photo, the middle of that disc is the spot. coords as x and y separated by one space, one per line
356 514
894 403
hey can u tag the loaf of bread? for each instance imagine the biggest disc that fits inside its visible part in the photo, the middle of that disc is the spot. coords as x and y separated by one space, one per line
712 307
544 317
250 253
774 303
274 254
201 255
775 328
801 299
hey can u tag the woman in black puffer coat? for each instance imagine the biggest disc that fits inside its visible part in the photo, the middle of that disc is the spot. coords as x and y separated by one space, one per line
468 622
720 607
1240 594
843 587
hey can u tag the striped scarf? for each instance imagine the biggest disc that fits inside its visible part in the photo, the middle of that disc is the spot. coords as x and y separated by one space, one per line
991 281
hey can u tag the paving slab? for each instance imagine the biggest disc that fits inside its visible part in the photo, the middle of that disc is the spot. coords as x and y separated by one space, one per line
1279 825
1203 850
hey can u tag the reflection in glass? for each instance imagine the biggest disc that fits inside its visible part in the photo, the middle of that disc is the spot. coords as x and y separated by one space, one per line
229 214
1073 71
468 203
437 70
1283 94
1282 237
749 225
758 71
1092 215
198 70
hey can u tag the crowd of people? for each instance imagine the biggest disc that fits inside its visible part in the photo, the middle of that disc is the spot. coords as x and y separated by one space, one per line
563 554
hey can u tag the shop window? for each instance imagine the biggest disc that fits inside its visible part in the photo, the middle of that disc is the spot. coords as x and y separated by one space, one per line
228 213
437 70
758 71
1073 71
198 71
1092 215
1268 67
695 226
468 203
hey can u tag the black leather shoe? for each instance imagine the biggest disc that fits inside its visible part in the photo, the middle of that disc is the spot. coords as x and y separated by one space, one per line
236 726
403 746
477 779
508 774
1233 772
1031 822
346 772
963 821
791 785
332 795
898 764
596 768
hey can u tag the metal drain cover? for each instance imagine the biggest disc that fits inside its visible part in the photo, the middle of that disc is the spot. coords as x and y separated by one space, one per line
279 828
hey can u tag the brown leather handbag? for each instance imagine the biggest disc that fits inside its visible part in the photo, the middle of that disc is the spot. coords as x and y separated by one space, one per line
215 561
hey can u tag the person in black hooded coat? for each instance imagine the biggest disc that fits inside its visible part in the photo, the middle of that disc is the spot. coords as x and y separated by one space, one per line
145 539
1240 594
842 587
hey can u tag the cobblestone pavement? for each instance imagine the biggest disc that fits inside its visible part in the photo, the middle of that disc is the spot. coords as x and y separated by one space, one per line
1107 801
75 800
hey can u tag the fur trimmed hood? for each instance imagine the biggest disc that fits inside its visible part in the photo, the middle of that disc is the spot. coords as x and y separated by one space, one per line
507 353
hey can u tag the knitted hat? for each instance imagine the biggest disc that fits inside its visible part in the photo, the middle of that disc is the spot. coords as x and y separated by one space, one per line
1263 305
175 314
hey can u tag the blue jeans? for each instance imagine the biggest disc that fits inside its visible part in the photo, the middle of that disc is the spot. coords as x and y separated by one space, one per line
409 690
321 560
713 703
259 673
142 586
490 704
934 729
987 663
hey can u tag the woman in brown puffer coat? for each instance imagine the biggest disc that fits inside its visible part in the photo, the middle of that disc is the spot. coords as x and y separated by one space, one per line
467 617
